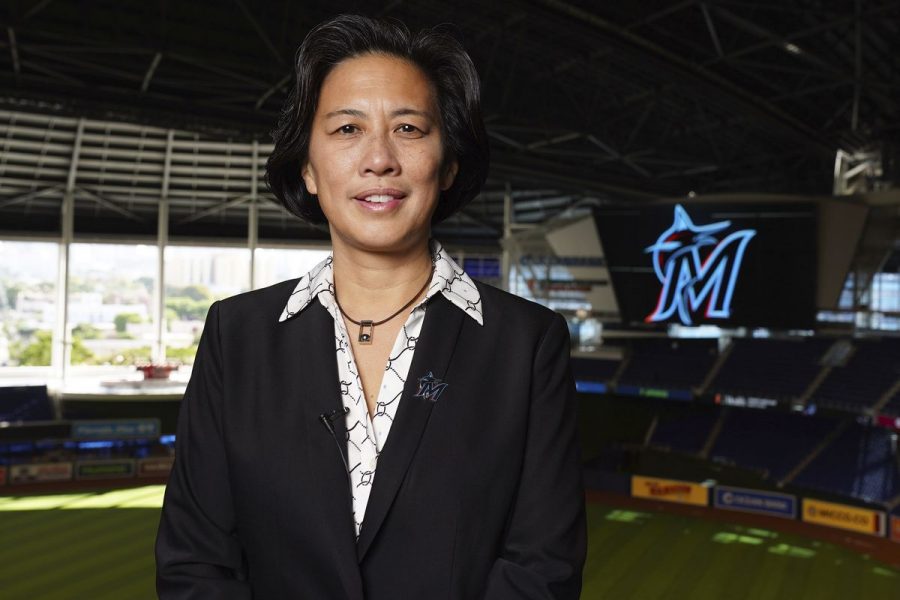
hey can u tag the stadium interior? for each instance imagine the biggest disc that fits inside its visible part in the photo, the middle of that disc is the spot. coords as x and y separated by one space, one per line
708 191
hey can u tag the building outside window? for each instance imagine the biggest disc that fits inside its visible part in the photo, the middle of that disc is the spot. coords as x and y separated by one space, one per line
196 277
110 309
28 273
280 264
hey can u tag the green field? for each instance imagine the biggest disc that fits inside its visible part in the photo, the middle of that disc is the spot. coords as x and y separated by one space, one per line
100 546
653 555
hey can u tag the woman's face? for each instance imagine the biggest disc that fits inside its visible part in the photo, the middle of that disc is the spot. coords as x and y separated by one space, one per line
376 154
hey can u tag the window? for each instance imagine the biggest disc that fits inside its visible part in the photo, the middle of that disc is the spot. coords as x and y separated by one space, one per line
195 278
279 264
886 292
883 298
28 273
110 312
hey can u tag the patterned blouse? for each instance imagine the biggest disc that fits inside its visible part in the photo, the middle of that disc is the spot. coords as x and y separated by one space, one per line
367 435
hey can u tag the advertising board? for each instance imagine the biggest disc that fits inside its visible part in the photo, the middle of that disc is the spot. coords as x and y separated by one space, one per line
649 392
40 472
888 421
842 516
108 429
669 490
155 466
104 469
755 501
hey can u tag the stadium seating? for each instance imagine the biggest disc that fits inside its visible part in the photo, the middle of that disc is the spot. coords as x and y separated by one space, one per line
861 462
669 363
683 430
594 369
769 440
25 403
771 368
869 373
893 405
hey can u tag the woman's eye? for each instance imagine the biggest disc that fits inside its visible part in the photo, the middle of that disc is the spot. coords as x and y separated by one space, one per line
348 129
407 128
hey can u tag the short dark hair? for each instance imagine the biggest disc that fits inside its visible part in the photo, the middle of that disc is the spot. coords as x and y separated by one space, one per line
439 55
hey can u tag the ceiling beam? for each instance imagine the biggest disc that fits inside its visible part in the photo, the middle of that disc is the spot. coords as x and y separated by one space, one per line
887 104
618 156
235 201
34 10
260 32
798 35
150 71
662 13
559 139
86 65
711 27
737 96
110 204
4 203
531 169
52 73
505 139
13 50
493 228
265 96
224 72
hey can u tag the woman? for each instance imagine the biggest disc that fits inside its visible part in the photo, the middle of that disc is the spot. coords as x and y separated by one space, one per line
399 431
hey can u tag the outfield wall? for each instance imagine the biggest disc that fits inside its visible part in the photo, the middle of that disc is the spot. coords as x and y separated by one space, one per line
846 517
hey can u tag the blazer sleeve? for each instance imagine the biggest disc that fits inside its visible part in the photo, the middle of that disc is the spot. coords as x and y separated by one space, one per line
198 553
546 538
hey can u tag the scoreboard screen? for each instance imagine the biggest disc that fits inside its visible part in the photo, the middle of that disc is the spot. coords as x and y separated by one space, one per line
701 263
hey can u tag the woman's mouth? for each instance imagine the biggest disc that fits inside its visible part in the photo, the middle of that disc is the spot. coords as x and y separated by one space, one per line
380 200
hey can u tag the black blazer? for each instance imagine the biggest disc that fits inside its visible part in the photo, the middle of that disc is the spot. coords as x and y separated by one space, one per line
477 494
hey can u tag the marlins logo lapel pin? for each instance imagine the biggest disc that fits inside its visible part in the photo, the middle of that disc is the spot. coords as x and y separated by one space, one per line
430 387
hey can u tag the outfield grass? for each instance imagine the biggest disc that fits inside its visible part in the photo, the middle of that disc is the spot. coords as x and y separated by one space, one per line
100 547
644 555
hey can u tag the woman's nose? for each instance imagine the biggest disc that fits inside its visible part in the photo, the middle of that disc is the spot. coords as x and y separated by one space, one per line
379 157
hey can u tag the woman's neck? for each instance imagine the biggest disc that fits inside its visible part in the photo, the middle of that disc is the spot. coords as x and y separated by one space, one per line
374 285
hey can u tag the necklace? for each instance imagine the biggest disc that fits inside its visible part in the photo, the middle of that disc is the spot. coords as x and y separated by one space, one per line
367 327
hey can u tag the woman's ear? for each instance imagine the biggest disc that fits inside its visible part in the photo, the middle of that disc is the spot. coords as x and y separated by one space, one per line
309 178
449 175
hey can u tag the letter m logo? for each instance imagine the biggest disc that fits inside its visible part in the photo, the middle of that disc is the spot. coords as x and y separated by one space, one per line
430 387
694 266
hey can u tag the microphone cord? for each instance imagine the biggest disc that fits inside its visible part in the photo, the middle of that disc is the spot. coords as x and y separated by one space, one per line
326 419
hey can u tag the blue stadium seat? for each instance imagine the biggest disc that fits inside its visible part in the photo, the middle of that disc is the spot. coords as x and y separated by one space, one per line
25 403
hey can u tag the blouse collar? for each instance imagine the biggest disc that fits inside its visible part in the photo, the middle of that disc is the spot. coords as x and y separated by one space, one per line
449 279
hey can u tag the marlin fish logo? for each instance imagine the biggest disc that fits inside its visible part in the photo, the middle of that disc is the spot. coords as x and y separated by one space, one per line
430 387
695 264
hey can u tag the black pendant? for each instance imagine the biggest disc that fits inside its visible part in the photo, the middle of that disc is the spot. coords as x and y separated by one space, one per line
366 332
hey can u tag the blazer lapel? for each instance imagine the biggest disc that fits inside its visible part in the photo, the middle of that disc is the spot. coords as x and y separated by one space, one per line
317 375
433 352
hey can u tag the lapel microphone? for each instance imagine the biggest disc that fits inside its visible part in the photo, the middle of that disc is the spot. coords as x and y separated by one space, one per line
327 419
